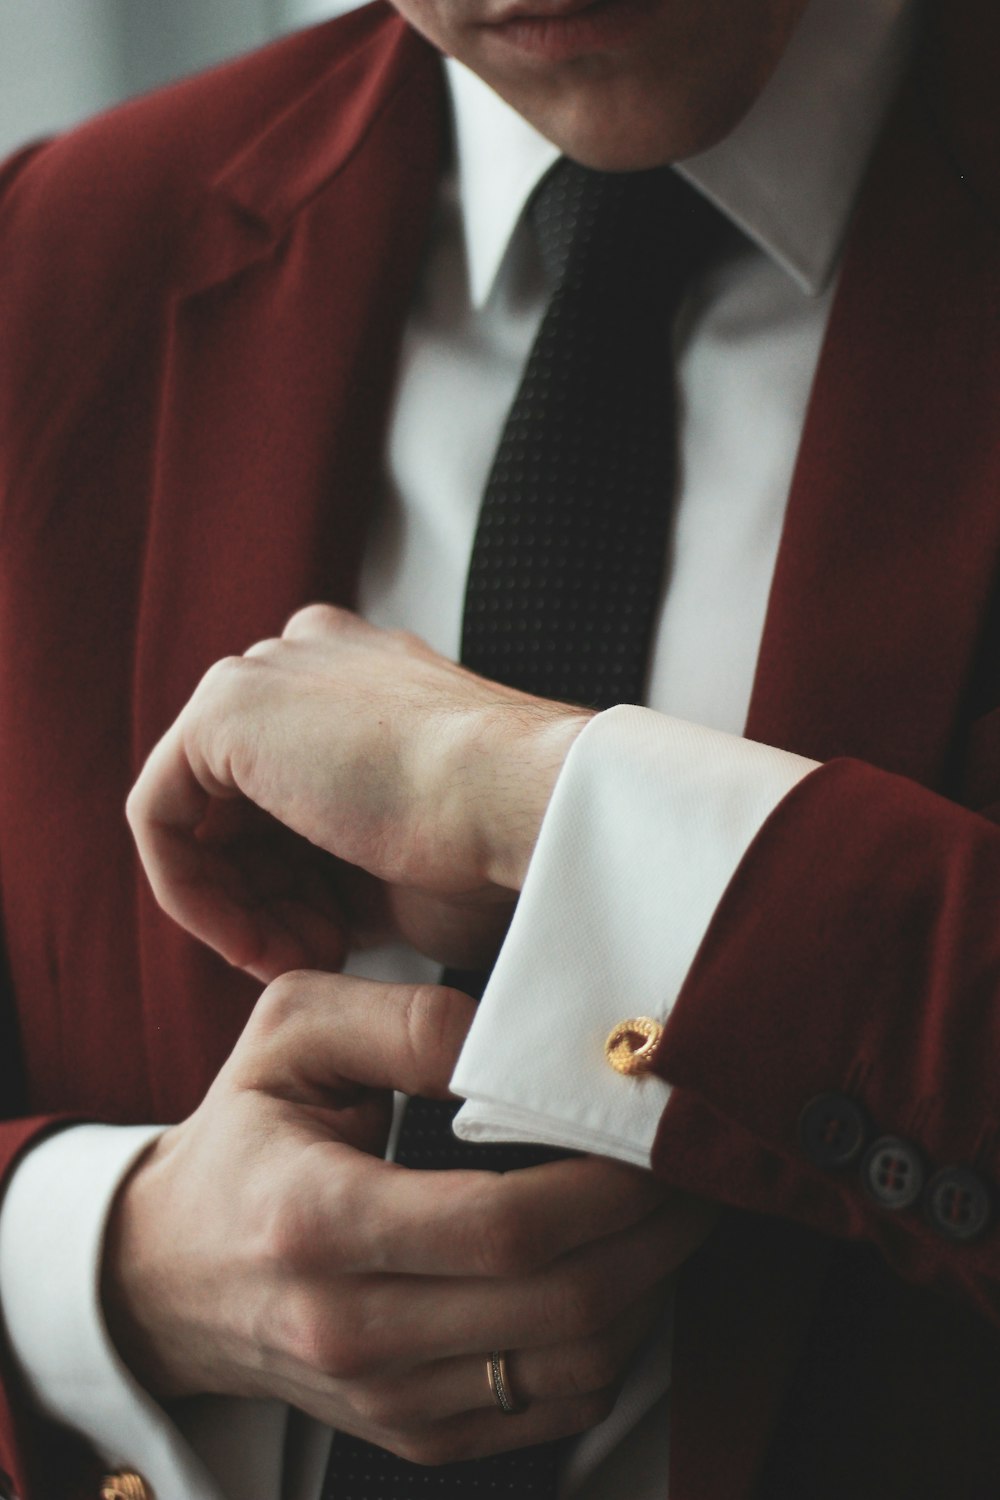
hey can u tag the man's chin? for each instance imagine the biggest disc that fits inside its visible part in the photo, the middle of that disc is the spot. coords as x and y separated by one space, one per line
613 126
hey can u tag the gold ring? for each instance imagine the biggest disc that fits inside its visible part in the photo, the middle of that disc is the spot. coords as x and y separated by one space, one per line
503 1395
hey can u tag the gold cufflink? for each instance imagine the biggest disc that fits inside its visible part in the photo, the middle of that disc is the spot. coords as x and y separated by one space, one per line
125 1486
630 1046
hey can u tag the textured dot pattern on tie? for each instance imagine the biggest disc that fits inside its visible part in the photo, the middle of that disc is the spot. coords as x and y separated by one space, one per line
571 544
563 583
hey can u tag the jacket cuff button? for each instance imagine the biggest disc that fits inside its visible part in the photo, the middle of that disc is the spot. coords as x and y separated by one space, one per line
833 1129
892 1173
631 1045
958 1203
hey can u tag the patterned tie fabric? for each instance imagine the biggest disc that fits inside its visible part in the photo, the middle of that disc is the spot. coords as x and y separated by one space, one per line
562 590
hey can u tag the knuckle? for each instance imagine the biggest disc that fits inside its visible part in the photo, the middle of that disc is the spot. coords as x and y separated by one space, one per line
263 650
579 1303
428 1028
354 1347
226 692
282 1239
135 803
595 1366
503 1249
328 1344
590 1410
427 1448
281 1003
378 1404
602 1403
409 642
585 1412
224 679
303 1334
314 620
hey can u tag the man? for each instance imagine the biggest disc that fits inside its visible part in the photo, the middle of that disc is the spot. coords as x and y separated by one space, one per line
173 436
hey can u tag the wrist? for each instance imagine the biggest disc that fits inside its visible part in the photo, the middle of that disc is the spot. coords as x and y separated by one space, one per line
129 1272
526 748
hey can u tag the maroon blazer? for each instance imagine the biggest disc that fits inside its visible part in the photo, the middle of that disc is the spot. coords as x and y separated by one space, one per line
201 298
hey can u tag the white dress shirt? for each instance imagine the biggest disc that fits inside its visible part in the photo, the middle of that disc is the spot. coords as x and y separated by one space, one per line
654 808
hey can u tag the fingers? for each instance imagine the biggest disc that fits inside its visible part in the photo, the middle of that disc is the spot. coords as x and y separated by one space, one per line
393 1323
445 1411
576 1368
482 1224
472 1435
579 1294
232 876
312 1033
314 1036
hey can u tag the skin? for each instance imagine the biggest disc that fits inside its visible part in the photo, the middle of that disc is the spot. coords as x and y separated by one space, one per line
344 784
367 1294
426 783
683 79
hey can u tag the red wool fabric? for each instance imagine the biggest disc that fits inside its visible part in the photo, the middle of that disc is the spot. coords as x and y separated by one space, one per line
202 295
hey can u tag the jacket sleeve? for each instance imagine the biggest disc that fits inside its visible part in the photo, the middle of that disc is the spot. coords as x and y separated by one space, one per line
818 950
834 1050
37 1458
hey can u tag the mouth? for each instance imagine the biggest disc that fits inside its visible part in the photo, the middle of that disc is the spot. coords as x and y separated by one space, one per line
544 10
565 29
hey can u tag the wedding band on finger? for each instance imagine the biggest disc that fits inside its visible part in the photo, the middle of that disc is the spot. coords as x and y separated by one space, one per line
503 1395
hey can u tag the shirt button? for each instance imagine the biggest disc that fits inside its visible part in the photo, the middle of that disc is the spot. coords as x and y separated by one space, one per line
631 1045
832 1131
125 1485
892 1173
958 1203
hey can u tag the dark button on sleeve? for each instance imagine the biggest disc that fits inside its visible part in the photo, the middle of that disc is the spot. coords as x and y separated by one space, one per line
892 1173
833 1130
958 1203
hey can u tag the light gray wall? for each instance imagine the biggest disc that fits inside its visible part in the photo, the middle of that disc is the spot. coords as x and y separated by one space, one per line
61 60
53 68
158 40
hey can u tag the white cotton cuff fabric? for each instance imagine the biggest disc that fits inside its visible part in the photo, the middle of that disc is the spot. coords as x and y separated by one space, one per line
51 1240
648 821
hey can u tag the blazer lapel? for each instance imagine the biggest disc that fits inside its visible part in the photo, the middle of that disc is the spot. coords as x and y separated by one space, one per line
889 552
884 575
279 363
277 372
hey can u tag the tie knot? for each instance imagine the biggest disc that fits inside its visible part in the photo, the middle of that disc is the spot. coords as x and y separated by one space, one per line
638 226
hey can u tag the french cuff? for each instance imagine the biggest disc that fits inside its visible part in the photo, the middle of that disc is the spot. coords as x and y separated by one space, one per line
51 1239
648 821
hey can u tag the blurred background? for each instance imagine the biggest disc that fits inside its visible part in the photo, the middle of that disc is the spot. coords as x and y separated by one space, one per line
61 60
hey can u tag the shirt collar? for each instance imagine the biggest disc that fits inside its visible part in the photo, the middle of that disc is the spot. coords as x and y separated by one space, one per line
787 175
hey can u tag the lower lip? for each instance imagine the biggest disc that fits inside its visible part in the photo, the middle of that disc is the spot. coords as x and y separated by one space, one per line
600 27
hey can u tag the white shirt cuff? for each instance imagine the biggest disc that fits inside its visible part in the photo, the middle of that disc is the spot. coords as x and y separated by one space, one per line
52 1229
648 821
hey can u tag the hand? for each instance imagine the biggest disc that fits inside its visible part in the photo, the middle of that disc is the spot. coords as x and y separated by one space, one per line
258 1249
428 785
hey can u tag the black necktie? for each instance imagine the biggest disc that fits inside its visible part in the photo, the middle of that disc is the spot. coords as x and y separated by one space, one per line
563 585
